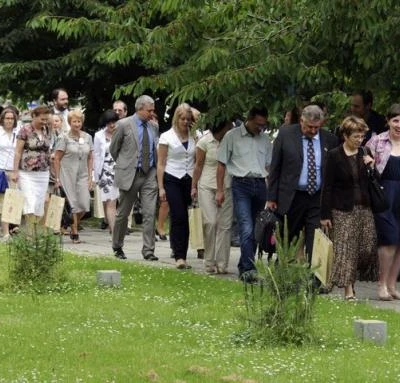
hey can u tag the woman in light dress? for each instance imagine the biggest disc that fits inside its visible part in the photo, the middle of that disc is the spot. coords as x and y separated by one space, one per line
104 166
73 167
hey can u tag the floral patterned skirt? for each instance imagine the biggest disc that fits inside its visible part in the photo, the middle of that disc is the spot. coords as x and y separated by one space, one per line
354 246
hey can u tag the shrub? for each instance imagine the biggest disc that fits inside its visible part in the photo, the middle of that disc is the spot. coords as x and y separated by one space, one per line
279 305
35 260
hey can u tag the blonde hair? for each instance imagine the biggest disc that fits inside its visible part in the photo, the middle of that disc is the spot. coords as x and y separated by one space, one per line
181 110
76 113
352 124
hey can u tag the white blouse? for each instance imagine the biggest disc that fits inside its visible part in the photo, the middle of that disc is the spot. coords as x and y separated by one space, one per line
7 149
180 161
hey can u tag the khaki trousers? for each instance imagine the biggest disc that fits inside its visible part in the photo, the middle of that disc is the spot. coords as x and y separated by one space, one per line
217 223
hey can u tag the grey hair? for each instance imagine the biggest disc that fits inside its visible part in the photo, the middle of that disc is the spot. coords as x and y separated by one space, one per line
143 100
313 113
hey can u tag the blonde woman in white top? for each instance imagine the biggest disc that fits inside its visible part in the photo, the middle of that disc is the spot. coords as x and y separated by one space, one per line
176 152
217 221
8 134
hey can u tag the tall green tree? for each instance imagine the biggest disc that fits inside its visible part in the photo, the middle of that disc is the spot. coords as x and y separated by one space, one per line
224 55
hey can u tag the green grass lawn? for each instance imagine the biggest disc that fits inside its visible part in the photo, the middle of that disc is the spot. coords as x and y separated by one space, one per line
163 325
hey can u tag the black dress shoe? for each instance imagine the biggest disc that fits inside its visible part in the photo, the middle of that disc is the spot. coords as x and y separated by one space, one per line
200 254
103 225
150 257
119 253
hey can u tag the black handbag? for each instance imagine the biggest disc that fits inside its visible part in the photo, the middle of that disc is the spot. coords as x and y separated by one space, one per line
264 230
379 202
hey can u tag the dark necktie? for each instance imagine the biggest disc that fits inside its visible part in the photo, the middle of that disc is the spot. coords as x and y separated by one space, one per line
145 149
311 168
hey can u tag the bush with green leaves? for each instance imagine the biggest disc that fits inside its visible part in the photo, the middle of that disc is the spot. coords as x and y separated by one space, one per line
279 307
35 260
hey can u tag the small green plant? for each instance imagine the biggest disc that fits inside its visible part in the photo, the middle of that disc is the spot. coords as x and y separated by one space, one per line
279 306
35 260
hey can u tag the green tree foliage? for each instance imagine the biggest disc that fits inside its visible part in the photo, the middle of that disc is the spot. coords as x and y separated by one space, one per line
222 55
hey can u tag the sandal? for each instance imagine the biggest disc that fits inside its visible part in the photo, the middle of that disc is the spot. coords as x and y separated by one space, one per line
75 238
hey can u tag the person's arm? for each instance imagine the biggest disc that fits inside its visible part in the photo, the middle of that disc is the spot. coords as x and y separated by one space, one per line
90 169
326 191
116 141
274 173
97 145
198 169
220 195
162 153
57 166
19 148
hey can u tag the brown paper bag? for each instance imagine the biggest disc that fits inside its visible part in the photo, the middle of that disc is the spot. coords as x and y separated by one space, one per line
196 228
322 256
12 206
55 212
98 208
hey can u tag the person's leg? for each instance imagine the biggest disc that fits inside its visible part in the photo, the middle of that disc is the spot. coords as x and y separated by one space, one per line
393 274
148 197
162 217
178 204
209 211
311 222
126 199
223 235
259 199
242 204
110 212
385 255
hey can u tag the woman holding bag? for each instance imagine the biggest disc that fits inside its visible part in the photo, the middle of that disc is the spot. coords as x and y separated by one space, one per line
175 165
386 149
73 166
346 206
8 134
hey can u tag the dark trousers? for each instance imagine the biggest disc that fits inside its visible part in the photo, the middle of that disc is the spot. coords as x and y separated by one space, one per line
249 196
304 213
179 199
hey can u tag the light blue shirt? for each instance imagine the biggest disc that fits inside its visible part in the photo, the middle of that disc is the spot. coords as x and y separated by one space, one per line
139 124
304 171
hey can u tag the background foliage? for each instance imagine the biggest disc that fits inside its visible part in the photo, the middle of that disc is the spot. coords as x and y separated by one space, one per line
222 56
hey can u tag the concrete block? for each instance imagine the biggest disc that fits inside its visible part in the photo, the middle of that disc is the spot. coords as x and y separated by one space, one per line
371 330
108 278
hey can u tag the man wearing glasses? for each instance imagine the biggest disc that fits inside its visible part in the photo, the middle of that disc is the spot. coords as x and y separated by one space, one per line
245 153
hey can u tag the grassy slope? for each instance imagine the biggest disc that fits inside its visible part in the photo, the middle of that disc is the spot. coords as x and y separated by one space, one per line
168 326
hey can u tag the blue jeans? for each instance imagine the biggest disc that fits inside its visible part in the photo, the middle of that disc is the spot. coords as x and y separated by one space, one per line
249 197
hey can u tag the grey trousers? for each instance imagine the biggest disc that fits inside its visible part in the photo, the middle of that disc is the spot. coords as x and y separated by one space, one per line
147 188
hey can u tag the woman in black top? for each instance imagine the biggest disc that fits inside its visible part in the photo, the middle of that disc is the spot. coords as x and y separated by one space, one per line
345 205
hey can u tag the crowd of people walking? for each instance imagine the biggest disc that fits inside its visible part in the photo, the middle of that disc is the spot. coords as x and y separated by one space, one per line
232 171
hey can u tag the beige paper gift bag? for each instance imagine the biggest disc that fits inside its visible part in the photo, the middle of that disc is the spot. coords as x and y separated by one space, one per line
98 208
196 228
54 212
13 206
322 256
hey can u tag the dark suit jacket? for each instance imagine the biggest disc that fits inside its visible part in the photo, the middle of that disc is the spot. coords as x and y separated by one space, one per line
287 162
125 149
338 183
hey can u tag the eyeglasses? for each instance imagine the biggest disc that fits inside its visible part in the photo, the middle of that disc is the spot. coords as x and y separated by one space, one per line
9 118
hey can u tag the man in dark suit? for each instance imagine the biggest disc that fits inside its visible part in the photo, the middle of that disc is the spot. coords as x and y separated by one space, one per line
295 177
133 147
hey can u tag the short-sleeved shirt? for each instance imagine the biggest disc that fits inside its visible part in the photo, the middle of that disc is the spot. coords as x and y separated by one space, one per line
180 160
7 148
209 145
36 153
245 155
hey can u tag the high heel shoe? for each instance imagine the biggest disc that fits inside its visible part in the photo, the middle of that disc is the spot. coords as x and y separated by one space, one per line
383 294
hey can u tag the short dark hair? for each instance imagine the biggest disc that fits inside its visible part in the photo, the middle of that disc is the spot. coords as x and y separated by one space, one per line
55 93
108 116
393 111
220 126
366 96
257 111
